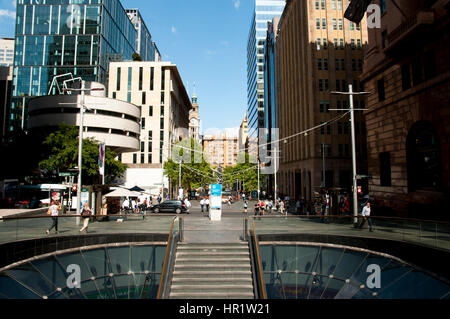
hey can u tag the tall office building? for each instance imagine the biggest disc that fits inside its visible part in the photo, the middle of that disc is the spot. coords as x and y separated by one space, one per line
59 37
264 12
157 88
317 52
144 44
6 62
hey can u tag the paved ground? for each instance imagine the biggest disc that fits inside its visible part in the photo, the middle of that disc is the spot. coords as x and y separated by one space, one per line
198 228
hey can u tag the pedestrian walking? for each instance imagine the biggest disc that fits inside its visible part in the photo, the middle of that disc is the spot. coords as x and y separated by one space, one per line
53 211
366 216
202 204
85 214
256 209
282 207
188 204
245 207
207 205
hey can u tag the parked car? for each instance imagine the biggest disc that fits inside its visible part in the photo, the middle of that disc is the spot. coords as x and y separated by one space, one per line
170 206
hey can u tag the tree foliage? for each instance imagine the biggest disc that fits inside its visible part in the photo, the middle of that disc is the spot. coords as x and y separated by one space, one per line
246 171
195 171
63 155
137 57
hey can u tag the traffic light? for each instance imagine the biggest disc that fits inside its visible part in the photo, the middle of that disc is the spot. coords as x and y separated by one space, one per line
74 188
359 189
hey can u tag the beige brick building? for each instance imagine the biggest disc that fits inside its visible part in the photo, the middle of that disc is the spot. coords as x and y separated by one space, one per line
158 89
407 69
317 51
221 150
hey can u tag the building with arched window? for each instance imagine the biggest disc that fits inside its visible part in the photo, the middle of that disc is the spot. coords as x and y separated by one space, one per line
408 122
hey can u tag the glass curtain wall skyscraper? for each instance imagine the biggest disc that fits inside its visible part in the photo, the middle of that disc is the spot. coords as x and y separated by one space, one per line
264 12
55 37
144 44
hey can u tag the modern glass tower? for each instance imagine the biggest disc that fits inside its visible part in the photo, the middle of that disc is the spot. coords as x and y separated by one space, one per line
144 44
265 11
55 37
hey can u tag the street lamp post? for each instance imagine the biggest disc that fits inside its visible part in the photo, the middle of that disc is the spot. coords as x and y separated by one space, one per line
352 110
80 141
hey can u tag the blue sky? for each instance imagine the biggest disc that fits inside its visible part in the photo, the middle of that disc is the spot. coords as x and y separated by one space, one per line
206 39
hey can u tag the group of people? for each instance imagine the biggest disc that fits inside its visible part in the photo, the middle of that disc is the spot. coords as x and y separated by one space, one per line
56 207
204 204
268 206
137 205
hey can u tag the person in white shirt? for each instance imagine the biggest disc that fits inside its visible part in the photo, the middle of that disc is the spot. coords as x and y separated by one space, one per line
202 203
207 205
366 216
54 212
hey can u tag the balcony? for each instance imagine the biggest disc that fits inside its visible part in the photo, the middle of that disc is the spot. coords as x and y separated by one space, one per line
410 30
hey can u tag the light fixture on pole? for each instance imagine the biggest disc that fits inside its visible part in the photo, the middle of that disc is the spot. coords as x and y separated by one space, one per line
350 93
80 140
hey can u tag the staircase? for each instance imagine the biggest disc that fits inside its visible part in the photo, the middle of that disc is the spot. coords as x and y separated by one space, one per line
212 271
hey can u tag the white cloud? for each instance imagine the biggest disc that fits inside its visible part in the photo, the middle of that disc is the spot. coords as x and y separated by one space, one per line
210 52
225 43
173 29
237 4
7 13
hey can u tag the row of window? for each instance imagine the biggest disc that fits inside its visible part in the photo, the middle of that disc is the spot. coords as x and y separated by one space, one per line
335 4
322 64
338 44
343 128
343 150
338 24
420 69
340 85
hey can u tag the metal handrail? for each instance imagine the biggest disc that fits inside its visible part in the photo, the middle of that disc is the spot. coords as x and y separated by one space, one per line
258 263
163 273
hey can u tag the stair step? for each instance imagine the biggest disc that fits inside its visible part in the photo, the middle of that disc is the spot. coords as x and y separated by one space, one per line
211 281
211 295
232 275
212 288
212 267
213 261
212 253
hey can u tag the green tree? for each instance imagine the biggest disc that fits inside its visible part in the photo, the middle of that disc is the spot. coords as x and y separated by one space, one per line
245 171
137 57
195 171
62 155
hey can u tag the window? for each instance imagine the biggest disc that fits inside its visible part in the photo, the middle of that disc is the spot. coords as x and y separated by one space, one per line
143 123
317 5
417 71
352 26
163 78
335 43
336 64
339 3
333 4
114 95
326 85
353 44
383 6
150 110
430 64
161 136
339 125
360 65
142 147
385 169
162 98
324 23
150 159
318 23
141 74
129 97
341 150
323 4
150 135
152 77
129 78
383 39
328 128
325 45
358 43
338 85
334 24
320 85
134 158
142 158
381 93
341 44
162 110
325 64
406 77
319 64
143 98
318 42
424 157
341 25
118 79
353 65
161 122
343 64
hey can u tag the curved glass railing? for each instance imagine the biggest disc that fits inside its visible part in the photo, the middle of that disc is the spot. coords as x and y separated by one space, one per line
23 228
433 234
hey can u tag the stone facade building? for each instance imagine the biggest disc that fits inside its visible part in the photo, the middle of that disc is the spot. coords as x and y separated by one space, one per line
318 51
408 122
